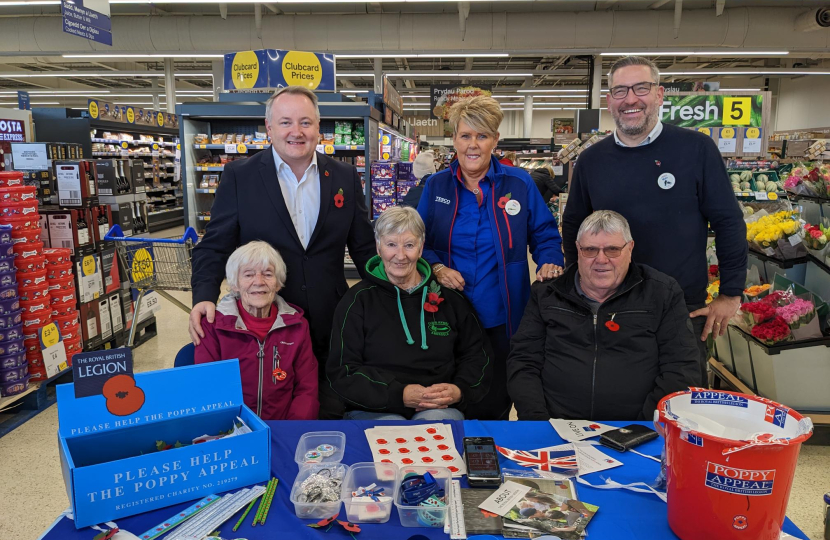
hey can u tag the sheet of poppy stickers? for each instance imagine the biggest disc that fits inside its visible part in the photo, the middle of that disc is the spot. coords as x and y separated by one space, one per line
423 444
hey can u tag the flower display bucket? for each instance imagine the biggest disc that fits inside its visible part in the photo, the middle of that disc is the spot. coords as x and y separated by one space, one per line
730 460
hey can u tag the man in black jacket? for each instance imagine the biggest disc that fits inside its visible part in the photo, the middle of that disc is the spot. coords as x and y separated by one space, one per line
306 205
607 340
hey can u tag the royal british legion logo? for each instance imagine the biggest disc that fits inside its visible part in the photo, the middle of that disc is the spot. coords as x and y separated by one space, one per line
739 481
718 398
776 416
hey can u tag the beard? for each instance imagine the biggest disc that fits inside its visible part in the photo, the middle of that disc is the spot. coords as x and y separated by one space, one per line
634 130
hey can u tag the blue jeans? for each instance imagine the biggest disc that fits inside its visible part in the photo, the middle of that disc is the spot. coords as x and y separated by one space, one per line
431 414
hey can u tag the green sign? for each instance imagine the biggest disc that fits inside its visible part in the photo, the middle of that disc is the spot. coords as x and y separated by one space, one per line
702 110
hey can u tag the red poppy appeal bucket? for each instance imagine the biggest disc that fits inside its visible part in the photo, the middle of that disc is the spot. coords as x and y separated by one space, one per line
730 462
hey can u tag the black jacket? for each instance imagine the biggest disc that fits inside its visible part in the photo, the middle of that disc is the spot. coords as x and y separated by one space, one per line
548 186
249 205
566 363
383 339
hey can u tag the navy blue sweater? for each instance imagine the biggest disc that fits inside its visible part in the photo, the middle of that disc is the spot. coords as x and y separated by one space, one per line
669 226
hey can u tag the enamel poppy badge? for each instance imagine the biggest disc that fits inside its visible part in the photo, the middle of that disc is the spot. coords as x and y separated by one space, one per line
338 198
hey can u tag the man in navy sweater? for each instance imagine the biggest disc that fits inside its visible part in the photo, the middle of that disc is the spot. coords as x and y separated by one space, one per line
668 182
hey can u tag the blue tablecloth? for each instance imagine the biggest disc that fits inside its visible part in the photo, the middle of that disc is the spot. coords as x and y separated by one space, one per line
623 515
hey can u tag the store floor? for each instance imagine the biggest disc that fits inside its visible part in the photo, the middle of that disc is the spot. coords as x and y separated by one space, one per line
32 491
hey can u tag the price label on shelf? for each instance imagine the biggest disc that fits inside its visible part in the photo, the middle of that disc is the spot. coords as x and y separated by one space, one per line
241 148
727 142
320 148
752 140
761 196
558 170
230 148
769 251
772 196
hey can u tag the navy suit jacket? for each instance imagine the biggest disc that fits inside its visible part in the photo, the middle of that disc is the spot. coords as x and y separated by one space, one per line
249 205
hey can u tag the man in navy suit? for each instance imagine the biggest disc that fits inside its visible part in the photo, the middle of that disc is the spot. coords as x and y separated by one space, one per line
306 205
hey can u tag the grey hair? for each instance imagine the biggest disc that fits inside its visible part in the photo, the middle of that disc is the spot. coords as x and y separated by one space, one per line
296 91
627 61
605 221
258 254
399 220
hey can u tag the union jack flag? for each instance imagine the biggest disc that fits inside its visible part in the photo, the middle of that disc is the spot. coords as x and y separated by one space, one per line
562 462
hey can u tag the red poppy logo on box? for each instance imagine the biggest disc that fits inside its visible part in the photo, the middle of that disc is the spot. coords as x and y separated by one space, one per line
739 481
740 522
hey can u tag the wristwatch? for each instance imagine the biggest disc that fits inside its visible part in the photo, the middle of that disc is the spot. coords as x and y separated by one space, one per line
436 267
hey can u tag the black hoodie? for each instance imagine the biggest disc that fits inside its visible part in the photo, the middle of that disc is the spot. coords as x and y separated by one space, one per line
384 339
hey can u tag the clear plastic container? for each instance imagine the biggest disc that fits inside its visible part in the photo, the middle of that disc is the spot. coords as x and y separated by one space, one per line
307 510
364 509
313 439
423 516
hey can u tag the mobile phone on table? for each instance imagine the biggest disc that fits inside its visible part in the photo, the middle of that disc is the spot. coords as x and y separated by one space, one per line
482 462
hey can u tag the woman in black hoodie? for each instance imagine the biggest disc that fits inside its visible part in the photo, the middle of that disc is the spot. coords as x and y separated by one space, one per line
402 346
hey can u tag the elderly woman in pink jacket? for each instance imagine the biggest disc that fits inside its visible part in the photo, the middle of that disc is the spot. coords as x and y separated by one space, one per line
268 335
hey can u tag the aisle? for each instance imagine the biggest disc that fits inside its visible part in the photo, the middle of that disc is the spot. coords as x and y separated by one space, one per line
33 492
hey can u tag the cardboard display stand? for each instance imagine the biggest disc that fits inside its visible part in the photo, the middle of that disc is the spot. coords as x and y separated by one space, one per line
110 463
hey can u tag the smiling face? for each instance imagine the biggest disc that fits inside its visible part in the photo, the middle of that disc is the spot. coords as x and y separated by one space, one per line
635 115
600 277
294 128
257 288
400 254
474 150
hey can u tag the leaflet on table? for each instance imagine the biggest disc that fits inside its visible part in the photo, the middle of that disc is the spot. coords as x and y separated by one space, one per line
112 462
578 430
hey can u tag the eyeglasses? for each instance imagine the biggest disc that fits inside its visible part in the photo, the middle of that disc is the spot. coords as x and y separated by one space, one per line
591 252
639 89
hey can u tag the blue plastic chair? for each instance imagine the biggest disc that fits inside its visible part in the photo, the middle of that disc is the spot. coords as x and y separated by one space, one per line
186 356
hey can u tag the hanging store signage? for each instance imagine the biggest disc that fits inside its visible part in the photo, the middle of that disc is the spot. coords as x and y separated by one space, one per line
245 70
315 71
12 130
89 19
125 114
392 98
712 110
443 96
23 102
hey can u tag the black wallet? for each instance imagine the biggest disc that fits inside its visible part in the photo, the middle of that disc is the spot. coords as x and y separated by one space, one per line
628 437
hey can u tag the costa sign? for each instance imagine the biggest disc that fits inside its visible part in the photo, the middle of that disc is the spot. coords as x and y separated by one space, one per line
12 131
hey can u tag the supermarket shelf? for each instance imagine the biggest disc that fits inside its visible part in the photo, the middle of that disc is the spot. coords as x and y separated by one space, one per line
222 146
783 263
349 147
206 190
157 212
361 169
119 141
753 196
209 168
820 200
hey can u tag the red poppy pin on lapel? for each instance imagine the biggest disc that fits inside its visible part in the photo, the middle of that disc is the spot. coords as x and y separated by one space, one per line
338 199
433 298
326 173
611 325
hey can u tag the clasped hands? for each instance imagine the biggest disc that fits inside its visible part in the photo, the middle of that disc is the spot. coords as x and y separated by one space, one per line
437 396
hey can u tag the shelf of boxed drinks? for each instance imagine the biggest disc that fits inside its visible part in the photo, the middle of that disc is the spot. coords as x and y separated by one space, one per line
56 268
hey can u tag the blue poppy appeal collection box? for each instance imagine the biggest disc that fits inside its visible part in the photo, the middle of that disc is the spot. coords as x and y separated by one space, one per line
111 464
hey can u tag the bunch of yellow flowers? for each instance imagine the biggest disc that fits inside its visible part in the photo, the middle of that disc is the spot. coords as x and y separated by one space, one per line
769 229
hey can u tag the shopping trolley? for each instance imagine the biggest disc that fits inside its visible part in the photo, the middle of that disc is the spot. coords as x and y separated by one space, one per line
155 264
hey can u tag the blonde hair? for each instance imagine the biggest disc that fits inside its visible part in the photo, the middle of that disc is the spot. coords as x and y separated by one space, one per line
511 155
294 90
482 113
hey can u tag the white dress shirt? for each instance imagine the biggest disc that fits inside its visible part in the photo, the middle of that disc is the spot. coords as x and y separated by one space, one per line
302 198
658 129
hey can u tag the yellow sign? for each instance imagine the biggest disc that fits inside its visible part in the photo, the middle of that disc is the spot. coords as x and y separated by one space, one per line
386 139
93 109
241 148
737 111
385 155
88 265
125 145
142 264
50 335
727 133
328 149
130 115
753 133
155 146
245 69
705 131
160 119
772 196
302 68
178 146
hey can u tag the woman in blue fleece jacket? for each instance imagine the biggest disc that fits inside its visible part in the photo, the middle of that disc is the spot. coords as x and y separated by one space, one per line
481 217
